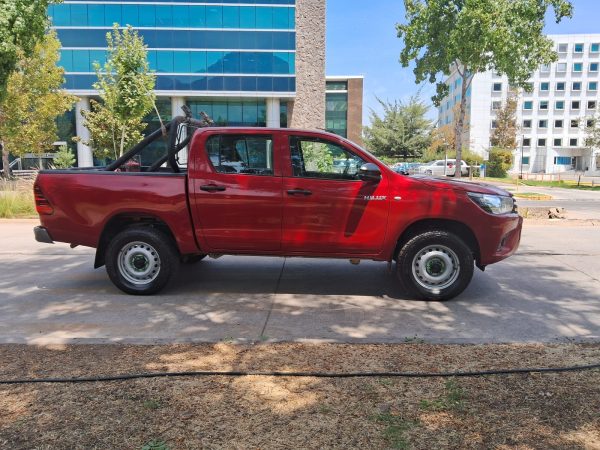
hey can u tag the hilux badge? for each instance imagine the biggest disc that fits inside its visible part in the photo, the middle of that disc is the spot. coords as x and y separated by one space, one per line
375 197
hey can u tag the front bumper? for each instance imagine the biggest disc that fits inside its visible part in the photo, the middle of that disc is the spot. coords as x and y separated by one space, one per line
41 235
503 241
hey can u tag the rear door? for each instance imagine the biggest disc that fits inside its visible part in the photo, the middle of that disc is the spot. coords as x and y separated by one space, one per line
327 209
237 192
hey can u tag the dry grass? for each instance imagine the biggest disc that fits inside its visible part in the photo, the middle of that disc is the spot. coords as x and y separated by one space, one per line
16 199
508 412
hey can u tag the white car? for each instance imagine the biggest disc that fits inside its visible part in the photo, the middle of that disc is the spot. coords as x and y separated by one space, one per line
436 168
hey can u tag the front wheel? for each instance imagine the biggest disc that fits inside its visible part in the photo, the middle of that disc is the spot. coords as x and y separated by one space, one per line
435 265
141 260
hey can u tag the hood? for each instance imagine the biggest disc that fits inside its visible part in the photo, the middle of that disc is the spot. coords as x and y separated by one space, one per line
466 186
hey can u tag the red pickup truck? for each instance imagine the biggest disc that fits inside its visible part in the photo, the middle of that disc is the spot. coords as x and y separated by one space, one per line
274 192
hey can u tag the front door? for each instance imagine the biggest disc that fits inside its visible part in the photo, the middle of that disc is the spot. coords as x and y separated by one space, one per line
327 209
237 193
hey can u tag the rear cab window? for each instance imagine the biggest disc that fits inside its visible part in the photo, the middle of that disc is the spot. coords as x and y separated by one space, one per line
241 154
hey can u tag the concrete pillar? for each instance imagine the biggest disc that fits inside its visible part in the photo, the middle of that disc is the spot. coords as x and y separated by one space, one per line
176 104
84 152
273 113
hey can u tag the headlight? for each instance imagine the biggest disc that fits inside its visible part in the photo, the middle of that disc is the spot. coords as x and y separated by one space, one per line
494 204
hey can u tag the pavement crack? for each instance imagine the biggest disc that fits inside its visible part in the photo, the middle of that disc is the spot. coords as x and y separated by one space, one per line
261 336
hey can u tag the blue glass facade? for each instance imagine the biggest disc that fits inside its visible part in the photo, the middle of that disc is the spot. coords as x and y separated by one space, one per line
232 46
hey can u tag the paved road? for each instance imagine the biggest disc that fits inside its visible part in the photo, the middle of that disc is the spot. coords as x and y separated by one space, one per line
51 294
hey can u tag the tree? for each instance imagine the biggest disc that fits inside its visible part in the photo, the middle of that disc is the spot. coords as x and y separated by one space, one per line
505 134
592 139
33 100
64 158
500 161
403 130
125 85
22 24
473 36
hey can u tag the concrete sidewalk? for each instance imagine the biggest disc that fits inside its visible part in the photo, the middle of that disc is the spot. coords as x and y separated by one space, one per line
548 292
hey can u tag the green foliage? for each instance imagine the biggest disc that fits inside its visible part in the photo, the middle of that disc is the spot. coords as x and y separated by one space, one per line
16 199
317 156
471 158
500 161
64 158
155 445
33 100
452 399
473 36
22 24
402 132
125 85
395 430
505 133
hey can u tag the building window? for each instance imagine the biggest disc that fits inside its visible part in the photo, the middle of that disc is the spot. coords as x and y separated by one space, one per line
557 142
541 142
336 86
528 105
577 67
525 160
576 86
543 123
575 104
559 105
526 142
573 142
594 67
562 160
497 87
591 104
544 86
527 123
544 105
590 123
545 68
578 48
592 86
494 124
558 123
574 123
560 86
595 48
563 48
561 67
496 105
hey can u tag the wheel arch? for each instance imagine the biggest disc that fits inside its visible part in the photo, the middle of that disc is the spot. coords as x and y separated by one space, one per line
458 228
122 221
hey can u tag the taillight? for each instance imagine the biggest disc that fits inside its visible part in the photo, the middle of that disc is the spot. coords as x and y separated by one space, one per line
42 205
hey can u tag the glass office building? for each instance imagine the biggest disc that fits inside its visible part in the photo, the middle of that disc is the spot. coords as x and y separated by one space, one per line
234 59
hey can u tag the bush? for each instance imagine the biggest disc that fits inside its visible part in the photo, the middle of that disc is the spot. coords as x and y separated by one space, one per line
64 158
499 163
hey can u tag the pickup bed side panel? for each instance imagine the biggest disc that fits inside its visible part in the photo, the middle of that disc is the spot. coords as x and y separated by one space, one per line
84 202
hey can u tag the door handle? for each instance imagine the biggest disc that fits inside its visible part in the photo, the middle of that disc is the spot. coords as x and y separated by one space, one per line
299 192
212 188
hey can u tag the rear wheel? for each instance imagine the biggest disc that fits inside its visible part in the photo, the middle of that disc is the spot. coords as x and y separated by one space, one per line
435 265
141 260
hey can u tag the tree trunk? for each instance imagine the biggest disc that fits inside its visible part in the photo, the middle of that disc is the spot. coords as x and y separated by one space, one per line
7 174
460 123
122 142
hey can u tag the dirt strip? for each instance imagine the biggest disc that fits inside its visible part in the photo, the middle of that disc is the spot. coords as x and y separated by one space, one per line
516 411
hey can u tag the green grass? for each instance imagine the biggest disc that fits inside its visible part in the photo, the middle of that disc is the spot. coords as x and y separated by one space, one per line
155 445
395 430
566 184
16 204
452 399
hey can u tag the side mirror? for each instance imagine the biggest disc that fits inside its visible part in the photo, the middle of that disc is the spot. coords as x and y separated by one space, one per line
369 172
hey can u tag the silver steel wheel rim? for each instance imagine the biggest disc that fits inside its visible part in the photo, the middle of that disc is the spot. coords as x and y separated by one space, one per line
139 263
435 268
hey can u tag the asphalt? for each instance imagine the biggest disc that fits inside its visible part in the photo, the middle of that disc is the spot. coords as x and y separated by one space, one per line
548 292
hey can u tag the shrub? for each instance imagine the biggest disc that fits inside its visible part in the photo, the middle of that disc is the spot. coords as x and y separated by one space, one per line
499 163
64 158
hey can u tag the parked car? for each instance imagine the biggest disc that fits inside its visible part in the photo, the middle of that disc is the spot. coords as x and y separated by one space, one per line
436 168
272 192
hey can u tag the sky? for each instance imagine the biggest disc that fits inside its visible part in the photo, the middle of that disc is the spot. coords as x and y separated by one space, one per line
361 40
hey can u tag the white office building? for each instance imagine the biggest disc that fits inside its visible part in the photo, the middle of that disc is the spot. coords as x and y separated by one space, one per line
552 117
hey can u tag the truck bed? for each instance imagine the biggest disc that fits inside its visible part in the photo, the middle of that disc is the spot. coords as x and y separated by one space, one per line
85 201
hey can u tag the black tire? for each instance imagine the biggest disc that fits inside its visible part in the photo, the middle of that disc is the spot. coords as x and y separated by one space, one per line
435 265
192 259
141 260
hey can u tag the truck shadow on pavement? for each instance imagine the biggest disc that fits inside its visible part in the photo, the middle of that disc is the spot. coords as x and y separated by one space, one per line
62 299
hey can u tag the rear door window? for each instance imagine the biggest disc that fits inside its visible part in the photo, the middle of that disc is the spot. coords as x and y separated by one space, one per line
241 154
